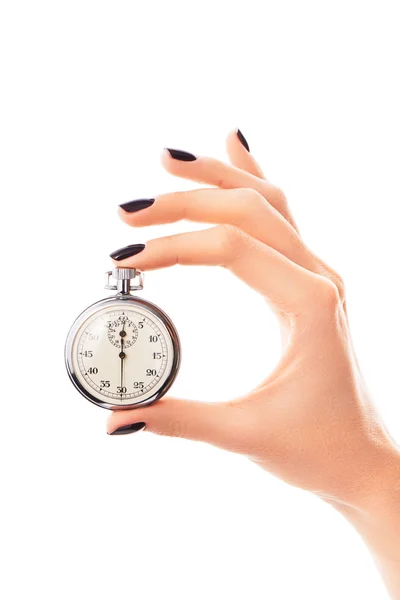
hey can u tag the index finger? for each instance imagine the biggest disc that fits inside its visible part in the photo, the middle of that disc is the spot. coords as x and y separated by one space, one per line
290 288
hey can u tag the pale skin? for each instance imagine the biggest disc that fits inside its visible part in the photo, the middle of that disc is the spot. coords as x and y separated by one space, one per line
311 421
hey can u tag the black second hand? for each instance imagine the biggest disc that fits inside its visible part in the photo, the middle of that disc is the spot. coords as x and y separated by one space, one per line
122 356
122 364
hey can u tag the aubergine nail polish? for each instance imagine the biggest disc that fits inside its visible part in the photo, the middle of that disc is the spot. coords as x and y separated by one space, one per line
128 251
129 429
181 155
242 139
135 205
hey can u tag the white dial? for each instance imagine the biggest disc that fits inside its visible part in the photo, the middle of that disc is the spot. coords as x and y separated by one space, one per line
122 354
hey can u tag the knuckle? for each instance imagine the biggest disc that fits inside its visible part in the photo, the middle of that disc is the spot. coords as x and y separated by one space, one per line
334 277
256 205
279 197
338 281
222 182
165 421
231 236
250 195
232 241
326 296
174 428
250 206
280 194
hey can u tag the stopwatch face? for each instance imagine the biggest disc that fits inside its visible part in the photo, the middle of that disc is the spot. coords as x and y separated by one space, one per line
121 353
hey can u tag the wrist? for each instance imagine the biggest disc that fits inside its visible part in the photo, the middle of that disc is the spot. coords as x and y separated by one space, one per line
376 511
380 487
377 520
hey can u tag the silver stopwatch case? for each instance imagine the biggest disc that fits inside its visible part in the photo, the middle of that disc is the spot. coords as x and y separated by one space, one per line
123 302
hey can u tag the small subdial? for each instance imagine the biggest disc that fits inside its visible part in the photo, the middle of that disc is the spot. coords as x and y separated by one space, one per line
122 332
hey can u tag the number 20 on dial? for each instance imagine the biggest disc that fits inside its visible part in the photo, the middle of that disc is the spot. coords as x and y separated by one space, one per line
123 351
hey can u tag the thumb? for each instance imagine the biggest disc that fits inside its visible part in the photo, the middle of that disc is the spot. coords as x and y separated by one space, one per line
217 423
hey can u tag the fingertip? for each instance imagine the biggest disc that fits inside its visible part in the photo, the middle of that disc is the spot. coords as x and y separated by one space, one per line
240 155
123 214
126 429
179 162
232 136
124 420
236 139
165 158
242 139
171 165
110 423
234 147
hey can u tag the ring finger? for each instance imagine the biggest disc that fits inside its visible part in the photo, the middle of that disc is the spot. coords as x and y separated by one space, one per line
211 171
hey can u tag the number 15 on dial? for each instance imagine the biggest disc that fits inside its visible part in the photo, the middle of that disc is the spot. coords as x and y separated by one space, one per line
123 351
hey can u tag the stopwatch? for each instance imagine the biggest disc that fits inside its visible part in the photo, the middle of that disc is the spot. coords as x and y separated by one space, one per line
123 351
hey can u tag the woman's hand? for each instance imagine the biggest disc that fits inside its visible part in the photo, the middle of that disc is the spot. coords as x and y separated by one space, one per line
311 421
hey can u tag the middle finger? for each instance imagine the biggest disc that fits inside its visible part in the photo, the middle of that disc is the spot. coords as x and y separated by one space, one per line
244 208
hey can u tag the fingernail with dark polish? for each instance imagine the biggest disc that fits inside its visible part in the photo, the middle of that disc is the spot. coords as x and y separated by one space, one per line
135 205
128 251
128 429
242 139
181 155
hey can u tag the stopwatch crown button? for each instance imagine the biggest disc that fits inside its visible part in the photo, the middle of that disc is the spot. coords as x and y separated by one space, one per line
119 273
123 278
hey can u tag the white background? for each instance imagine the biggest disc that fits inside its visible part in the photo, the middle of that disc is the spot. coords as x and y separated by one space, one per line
91 93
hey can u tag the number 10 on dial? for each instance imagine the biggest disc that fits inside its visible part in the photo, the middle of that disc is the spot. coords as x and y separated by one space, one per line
123 351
